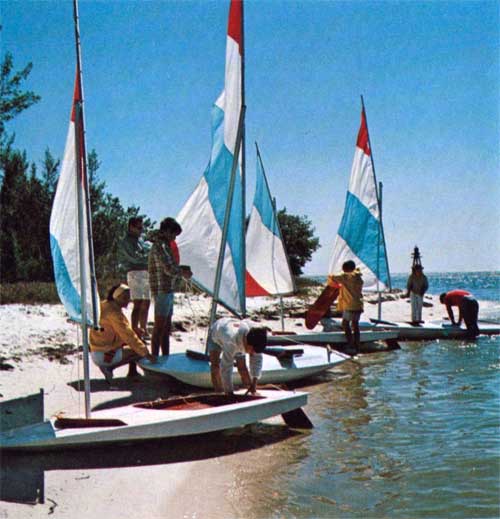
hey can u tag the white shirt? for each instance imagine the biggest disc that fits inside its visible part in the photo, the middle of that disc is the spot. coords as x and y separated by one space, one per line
230 334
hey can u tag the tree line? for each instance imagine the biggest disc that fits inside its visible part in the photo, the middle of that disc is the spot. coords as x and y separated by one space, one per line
27 191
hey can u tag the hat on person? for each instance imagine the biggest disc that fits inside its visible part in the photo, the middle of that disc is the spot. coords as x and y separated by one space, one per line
119 290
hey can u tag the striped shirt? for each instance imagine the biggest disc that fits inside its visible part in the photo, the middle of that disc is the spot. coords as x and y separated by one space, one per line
162 267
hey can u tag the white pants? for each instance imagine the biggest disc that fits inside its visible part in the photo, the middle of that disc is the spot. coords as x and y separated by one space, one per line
416 302
138 282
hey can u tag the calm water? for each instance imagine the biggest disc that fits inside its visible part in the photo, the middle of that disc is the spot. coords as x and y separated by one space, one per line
412 433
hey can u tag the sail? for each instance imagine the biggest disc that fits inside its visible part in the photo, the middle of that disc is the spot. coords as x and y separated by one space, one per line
360 236
65 237
268 271
202 217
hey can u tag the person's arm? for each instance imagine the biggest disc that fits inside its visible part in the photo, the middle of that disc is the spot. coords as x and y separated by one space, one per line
333 280
243 371
124 331
460 317
169 265
408 287
256 362
450 313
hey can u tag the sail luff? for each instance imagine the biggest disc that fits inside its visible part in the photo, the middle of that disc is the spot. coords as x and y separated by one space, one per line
227 216
84 218
243 163
82 257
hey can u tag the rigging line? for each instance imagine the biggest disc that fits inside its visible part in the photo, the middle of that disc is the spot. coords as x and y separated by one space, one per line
189 289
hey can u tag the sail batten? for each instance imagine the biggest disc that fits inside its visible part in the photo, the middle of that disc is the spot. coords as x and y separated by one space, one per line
360 235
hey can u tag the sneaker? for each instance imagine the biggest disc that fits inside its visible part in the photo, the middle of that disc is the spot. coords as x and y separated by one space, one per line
108 374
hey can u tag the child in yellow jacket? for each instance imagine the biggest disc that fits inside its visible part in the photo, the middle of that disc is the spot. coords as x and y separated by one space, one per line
350 301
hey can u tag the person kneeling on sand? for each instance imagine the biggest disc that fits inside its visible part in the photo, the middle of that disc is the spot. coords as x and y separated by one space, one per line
233 338
468 309
115 343
350 301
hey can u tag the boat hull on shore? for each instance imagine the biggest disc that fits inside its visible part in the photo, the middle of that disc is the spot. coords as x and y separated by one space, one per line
276 370
157 419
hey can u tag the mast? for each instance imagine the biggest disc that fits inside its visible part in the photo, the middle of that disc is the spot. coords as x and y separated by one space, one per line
380 236
227 214
243 164
84 220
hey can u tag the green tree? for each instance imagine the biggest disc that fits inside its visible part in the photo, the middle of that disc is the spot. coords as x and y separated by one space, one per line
14 186
109 222
300 242
13 168
13 100
50 173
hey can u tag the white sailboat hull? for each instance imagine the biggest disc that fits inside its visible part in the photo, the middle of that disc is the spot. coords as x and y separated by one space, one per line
195 372
432 330
176 418
331 337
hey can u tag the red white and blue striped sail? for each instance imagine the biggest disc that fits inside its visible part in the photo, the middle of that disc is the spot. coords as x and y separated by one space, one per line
268 270
65 238
202 217
360 236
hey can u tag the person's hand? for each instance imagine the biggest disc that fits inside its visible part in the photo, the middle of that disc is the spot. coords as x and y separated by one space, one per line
152 358
253 387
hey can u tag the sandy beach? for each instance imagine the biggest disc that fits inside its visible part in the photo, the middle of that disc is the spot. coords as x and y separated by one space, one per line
175 479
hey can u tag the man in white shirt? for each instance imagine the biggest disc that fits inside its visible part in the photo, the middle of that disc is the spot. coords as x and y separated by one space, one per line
233 338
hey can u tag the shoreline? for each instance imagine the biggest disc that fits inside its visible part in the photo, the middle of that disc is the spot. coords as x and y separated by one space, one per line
39 344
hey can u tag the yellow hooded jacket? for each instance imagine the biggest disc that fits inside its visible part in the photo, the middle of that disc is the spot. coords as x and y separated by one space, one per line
351 297
115 331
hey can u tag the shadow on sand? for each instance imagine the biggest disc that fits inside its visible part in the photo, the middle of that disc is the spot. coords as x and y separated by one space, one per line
22 475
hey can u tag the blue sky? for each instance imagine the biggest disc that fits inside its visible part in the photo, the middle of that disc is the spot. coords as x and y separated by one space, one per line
428 71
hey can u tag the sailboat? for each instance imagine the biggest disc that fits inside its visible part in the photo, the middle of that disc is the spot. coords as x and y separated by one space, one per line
76 284
360 238
213 237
